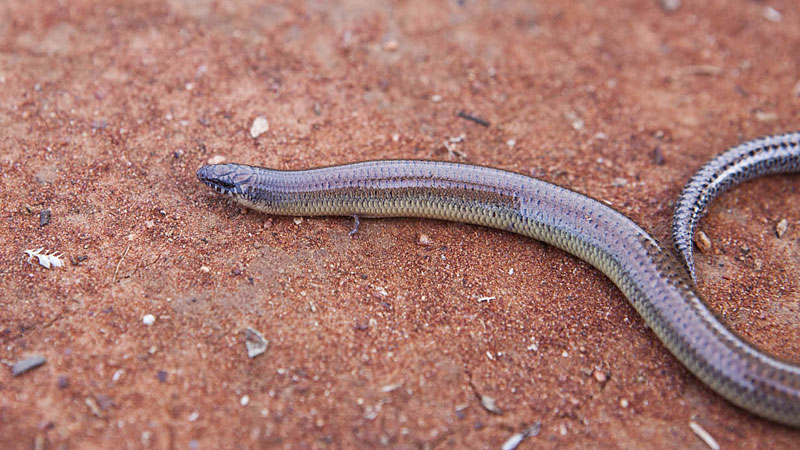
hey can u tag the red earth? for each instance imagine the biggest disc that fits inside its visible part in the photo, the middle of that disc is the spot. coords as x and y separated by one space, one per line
107 109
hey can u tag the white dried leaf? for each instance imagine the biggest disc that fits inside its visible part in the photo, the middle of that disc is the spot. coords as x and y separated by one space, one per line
46 259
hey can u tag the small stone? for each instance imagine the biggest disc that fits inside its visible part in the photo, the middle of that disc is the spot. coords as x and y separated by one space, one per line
44 217
762 116
244 400
27 364
259 127
105 402
658 156
600 376
702 242
436 98
162 375
624 403
575 121
205 269
771 14
390 45
619 182
216 159
148 319
781 227
511 143
490 405
669 5
424 240
255 343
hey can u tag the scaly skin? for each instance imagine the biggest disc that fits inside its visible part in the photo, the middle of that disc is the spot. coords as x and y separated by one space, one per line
768 155
654 281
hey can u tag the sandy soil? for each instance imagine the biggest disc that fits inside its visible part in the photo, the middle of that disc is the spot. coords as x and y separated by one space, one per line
108 109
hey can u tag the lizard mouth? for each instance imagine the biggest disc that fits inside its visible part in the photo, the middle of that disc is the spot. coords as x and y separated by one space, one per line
218 177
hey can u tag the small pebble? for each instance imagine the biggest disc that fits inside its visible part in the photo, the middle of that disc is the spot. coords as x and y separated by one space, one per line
424 240
44 217
762 116
669 5
216 159
600 376
27 364
104 402
254 342
259 127
624 403
436 98
702 242
490 405
781 228
575 121
244 400
771 14
148 319
619 182
658 156
391 45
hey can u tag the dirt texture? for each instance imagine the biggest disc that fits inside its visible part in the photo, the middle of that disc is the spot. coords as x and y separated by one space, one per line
413 333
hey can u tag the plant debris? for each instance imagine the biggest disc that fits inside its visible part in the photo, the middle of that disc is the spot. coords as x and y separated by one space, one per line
46 259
